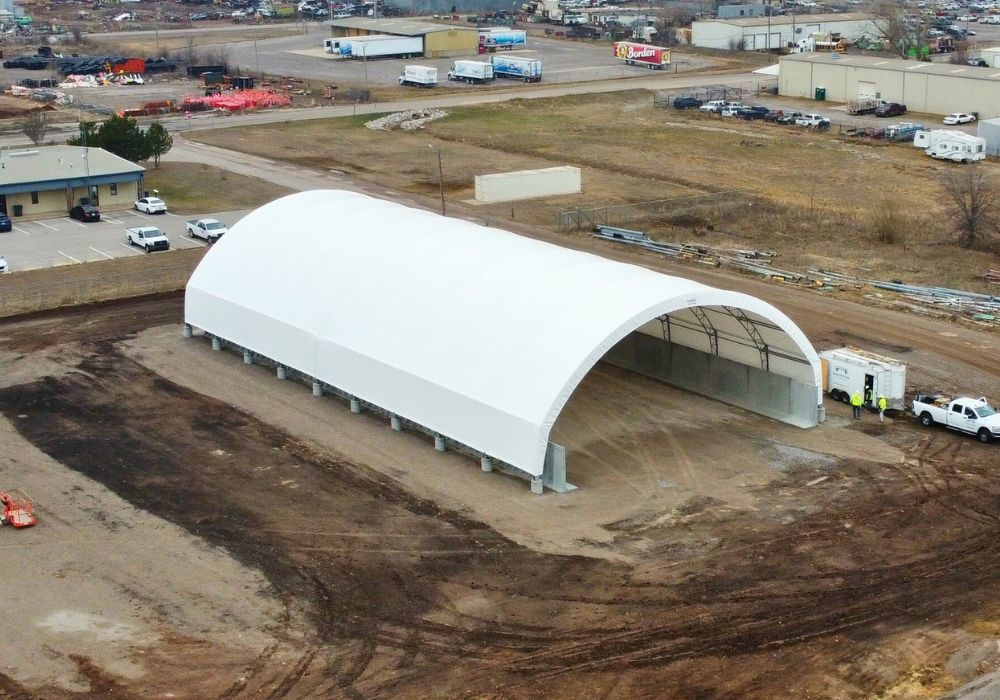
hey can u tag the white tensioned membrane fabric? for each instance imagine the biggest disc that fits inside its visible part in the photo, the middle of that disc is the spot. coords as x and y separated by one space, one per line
475 333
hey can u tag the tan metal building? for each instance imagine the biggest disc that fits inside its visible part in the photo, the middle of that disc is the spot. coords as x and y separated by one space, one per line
440 40
934 88
51 180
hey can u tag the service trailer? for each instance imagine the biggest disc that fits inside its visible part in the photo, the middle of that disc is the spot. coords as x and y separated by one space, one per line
849 370
517 68
635 54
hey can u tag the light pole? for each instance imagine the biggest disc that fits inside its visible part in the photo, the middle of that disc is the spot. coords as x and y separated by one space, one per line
440 176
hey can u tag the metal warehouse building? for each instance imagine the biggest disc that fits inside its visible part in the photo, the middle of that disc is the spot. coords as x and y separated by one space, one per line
935 88
475 334
439 39
752 33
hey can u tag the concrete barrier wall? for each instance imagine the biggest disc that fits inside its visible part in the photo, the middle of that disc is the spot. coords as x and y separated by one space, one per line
526 184
741 385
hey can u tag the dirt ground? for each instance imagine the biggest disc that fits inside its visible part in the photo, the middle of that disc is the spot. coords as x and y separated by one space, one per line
209 531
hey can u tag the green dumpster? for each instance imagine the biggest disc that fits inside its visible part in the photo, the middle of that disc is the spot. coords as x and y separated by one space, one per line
821 94
18 209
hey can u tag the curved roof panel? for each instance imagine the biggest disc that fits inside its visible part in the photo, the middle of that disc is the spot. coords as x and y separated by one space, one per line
473 332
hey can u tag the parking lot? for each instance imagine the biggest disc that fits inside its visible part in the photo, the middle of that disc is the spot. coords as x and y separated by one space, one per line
63 241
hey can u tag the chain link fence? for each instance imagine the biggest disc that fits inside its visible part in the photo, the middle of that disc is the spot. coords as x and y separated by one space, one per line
619 214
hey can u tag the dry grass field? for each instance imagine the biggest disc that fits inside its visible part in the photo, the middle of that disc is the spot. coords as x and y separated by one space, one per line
191 187
818 193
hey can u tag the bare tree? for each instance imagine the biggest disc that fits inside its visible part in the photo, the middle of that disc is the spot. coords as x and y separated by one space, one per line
215 55
892 26
974 202
889 222
35 126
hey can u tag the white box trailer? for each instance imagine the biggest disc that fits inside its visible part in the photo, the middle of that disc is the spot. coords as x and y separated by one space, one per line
379 46
522 68
471 71
847 370
419 76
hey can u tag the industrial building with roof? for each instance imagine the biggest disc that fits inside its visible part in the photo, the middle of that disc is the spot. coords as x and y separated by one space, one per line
934 88
440 40
51 180
770 33
477 335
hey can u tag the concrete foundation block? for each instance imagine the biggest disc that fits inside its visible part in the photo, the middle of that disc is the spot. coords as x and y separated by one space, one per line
216 343
317 389
537 487
395 423
439 442
280 372
486 463
247 357
355 405
187 331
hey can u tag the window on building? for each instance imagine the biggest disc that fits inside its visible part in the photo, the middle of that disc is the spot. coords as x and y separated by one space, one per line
114 189
34 198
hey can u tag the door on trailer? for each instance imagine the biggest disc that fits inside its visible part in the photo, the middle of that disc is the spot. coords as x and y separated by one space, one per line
869 394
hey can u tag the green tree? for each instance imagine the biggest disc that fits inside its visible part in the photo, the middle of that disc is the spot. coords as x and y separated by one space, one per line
159 141
119 135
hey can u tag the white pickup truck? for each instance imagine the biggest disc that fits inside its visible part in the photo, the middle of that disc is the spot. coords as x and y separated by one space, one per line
149 238
967 415
209 230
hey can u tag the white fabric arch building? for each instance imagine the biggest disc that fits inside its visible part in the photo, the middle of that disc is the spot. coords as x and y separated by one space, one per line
477 334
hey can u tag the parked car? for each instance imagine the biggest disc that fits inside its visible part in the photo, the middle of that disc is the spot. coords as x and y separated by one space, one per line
774 115
732 109
199 16
959 118
85 212
687 103
752 113
713 106
5 223
890 109
788 117
978 62
151 205
967 18
4 267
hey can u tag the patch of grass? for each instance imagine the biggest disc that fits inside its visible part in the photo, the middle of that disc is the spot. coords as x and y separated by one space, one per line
190 188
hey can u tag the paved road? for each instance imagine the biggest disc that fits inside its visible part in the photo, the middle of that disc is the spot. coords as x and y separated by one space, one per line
63 241
655 81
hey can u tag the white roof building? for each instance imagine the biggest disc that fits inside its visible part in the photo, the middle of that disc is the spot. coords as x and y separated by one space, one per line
477 334
775 33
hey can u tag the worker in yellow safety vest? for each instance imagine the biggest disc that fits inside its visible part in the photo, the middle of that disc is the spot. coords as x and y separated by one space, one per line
881 409
856 404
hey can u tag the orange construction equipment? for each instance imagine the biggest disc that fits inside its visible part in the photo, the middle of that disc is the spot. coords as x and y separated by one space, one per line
18 508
